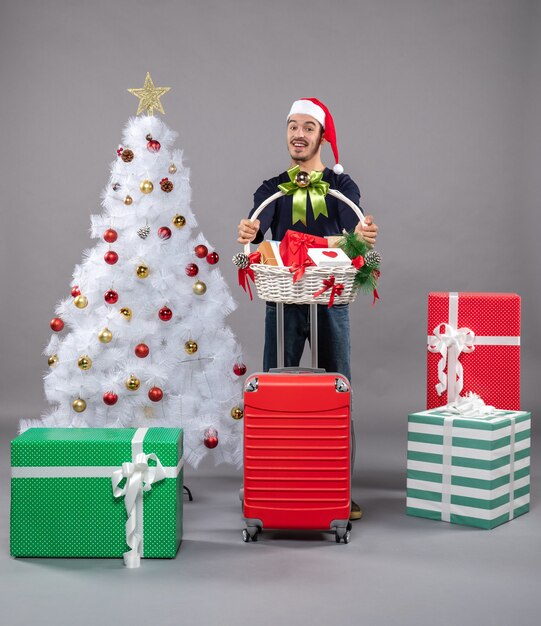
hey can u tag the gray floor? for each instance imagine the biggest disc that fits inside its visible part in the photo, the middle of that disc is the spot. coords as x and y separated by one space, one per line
396 570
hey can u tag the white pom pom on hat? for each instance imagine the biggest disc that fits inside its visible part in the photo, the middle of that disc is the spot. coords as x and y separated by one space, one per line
316 108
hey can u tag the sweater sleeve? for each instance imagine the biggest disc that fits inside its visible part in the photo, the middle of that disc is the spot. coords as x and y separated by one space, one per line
265 218
346 217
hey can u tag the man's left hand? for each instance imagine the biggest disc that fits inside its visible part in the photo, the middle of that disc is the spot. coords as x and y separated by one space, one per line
368 231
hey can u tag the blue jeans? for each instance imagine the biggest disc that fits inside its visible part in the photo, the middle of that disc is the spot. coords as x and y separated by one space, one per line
333 336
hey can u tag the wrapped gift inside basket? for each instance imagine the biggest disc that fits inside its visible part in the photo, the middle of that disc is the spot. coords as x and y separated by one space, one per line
302 283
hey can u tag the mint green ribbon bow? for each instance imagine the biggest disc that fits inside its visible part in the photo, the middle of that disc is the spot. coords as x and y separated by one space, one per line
317 189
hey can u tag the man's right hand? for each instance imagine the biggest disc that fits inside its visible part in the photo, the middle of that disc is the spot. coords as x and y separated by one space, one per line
247 231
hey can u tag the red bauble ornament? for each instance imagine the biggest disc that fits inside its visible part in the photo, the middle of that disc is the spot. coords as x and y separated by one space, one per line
142 350
164 232
201 251
165 314
75 291
239 369
212 258
110 398
155 394
57 324
153 145
110 235
191 269
210 438
110 296
110 257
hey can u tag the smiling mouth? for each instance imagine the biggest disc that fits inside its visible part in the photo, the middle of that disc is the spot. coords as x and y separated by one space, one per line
299 144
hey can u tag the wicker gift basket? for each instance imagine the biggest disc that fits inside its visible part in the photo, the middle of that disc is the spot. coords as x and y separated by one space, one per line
275 284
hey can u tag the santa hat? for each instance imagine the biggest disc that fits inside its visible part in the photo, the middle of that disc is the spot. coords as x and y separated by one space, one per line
315 108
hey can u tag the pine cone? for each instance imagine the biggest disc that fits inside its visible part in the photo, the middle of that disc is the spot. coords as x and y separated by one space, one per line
372 258
166 185
144 232
127 155
241 260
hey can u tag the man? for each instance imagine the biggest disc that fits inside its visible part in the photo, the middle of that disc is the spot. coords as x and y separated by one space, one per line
309 126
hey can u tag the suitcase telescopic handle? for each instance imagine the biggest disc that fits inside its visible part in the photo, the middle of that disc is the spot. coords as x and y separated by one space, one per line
333 192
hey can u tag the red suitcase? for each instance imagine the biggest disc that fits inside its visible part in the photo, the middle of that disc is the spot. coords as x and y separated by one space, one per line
297 462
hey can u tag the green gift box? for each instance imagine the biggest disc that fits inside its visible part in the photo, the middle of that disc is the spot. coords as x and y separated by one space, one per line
468 470
93 492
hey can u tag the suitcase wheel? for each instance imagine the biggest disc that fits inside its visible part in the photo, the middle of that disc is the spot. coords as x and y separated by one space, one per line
343 534
251 532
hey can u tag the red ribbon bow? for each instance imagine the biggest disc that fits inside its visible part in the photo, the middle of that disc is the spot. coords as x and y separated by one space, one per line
294 246
358 262
336 289
247 273
298 269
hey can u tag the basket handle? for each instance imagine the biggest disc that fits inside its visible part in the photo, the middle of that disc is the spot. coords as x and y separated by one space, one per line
333 192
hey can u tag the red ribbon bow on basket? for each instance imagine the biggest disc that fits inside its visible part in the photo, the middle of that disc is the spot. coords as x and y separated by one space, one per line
247 273
336 289
298 269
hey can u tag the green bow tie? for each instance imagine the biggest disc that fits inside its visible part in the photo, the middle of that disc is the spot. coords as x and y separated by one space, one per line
317 188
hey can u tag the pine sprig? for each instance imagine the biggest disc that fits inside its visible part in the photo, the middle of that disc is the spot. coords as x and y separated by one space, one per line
353 246
367 276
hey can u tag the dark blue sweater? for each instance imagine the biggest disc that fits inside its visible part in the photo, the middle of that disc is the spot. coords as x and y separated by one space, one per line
278 215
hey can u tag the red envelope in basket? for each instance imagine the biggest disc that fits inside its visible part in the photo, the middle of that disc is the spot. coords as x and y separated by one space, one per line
474 345
294 247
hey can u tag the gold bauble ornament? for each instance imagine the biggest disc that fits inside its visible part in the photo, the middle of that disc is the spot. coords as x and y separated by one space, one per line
79 405
172 168
128 200
142 271
237 413
52 360
105 335
133 383
190 347
302 179
125 312
84 362
179 220
199 288
80 301
146 186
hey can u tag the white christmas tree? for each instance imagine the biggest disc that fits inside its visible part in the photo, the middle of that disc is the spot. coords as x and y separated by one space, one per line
142 340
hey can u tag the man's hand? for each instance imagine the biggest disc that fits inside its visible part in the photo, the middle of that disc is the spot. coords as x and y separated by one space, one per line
368 231
247 231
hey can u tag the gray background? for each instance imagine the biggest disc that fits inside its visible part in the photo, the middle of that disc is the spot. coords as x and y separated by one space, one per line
437 111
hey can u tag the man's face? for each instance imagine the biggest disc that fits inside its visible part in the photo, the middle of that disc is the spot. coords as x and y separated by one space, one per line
304 137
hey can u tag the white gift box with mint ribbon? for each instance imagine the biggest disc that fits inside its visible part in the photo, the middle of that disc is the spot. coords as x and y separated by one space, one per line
97 492
468 470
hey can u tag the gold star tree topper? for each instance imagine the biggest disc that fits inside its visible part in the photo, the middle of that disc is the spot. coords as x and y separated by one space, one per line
149 97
